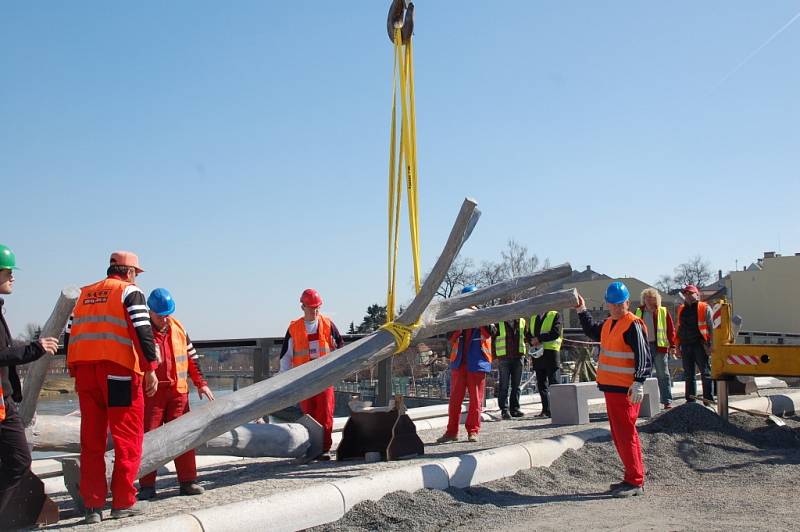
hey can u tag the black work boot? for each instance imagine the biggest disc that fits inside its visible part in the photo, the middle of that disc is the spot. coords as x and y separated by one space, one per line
131 511
628 490
504 414
146 493
93 516
517 413
191 488
615 486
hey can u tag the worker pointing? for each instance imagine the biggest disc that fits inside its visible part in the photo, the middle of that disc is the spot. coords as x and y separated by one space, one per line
179 363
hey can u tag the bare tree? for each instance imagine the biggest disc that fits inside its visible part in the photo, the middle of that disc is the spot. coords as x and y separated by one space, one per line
695 271
490 273
460 274
516 260
32 332
666 284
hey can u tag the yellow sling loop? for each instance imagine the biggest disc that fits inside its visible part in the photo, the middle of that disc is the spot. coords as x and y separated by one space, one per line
402 161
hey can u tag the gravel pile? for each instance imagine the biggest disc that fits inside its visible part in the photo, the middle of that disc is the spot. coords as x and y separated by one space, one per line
719 472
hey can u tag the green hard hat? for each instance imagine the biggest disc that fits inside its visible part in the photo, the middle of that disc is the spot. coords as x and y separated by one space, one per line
8 261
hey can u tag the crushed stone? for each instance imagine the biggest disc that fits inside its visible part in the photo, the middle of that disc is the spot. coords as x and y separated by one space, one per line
702 471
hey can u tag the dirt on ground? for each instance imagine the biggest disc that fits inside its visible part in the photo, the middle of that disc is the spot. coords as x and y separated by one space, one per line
702 473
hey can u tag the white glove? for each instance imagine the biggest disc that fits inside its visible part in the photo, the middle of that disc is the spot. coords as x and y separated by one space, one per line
636 393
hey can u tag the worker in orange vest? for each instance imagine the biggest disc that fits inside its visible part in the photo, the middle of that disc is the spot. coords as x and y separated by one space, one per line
695 335
179 362
15 455
470 361
111 354
310 337
622 368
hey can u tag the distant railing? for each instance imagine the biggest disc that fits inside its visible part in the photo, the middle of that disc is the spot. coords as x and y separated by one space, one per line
256 359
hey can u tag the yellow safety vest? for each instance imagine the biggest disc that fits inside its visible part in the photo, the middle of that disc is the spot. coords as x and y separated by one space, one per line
547 325
661 326
500 341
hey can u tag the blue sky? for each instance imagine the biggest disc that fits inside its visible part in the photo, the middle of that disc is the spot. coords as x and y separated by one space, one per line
241 147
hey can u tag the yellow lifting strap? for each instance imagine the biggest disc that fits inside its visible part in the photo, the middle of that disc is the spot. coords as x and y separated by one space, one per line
402 334
402 162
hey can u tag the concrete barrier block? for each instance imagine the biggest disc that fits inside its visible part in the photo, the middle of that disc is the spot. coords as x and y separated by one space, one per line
281 512
569 403
488 465
651 404
46 468
373 487
54 485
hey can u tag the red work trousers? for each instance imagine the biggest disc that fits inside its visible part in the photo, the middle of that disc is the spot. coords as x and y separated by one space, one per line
320 407
168 404
622 417
474 383
110 397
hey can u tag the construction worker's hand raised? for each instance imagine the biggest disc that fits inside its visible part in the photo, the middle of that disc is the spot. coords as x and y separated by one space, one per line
150 383
205 391
581 304
50 345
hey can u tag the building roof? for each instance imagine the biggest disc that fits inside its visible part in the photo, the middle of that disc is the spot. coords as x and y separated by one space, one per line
580 276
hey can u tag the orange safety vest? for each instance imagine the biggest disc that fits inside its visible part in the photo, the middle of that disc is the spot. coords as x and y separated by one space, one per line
2 404
300 343
486 345
180 350
616 364
702 309
101 328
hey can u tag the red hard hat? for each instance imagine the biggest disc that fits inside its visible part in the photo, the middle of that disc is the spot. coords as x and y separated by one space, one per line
311 298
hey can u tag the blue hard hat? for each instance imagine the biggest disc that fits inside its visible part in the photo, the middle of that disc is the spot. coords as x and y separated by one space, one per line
161 302
617 293
469 288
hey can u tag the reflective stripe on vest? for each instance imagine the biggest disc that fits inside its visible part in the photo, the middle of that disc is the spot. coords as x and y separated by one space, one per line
101 330
702 309
500 342
616 364
97 319
486 344
547 326
300 343
82 337
661 326
180 350
2 404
